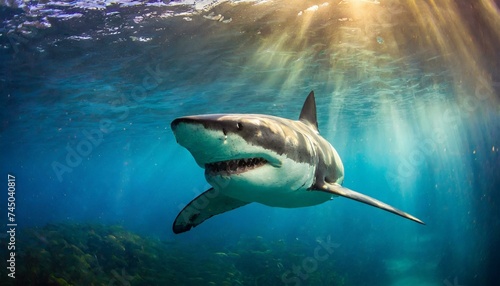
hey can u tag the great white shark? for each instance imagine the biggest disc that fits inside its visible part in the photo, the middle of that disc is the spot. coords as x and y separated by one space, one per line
265 159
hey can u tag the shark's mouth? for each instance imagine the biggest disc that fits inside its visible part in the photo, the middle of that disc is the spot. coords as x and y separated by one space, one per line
232 167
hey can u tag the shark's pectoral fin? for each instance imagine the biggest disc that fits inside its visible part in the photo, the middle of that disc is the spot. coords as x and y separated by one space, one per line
338 190
203 207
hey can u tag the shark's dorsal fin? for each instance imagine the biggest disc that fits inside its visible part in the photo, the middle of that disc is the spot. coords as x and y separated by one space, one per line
308 113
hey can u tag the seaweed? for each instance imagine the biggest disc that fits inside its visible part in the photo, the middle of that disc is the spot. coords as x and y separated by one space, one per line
86 254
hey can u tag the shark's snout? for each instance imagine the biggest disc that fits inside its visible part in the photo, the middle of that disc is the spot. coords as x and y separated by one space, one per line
185 120
223 144
214 122
199 131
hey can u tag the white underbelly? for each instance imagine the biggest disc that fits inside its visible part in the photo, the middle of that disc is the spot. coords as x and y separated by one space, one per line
284 186
278 197
297 199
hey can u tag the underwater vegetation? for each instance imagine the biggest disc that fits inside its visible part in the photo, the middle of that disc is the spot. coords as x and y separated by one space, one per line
86 254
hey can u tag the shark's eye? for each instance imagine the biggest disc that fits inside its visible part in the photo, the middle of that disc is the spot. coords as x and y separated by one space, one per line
239 126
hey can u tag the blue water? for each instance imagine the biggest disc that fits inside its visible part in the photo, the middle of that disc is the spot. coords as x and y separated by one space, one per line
407 94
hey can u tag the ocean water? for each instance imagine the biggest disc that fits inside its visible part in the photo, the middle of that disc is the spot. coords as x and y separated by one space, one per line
407 92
